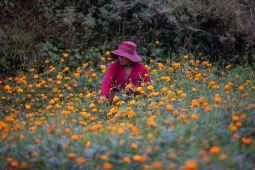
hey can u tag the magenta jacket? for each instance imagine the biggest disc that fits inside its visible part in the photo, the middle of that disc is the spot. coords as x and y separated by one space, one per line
115 77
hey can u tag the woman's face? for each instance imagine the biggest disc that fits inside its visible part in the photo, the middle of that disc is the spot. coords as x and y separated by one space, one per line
124 61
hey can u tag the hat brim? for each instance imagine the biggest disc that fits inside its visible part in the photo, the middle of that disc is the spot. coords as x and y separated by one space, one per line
133 57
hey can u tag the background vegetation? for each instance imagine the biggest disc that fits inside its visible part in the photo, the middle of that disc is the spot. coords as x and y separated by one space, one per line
34 30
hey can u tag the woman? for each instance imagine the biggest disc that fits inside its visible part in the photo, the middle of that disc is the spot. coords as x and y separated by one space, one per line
126 70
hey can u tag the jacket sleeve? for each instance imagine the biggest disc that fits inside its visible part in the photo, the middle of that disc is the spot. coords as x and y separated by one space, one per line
108 80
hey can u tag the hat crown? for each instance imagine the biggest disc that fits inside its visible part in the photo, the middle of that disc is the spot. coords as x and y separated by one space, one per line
127 49
128 46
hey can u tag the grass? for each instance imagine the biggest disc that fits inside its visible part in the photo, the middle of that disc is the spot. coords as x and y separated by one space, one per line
195 117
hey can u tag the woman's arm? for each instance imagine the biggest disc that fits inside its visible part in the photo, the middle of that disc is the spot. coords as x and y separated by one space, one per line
108 79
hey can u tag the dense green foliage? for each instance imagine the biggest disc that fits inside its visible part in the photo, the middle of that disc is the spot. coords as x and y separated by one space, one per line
35 30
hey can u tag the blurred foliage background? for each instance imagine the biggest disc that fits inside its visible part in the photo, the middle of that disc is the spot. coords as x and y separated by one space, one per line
34 30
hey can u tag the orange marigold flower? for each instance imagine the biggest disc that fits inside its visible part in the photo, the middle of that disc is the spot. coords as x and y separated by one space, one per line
21 136
74 137
120 131
157 164
169 107
192 164
132 102
104 157
201 152
243 116
134 146
137 157
157 42
92 105
20 90
194 116
27 106
246 141
80 160
107 165
172 155
23 165
236 136
241 88
65 55
107 53
150 87
217 99
34 154
139 89
36 76
14 164
223 157
150 136
9 159
71 155
115 98
214 150
232 127
126 159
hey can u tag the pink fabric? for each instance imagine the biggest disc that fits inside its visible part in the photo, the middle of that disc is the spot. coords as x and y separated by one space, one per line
115 76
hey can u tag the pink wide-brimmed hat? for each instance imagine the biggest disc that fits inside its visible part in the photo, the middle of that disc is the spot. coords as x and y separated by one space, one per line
127 49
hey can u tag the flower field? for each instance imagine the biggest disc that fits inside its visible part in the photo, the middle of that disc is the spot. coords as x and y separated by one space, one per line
193 116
